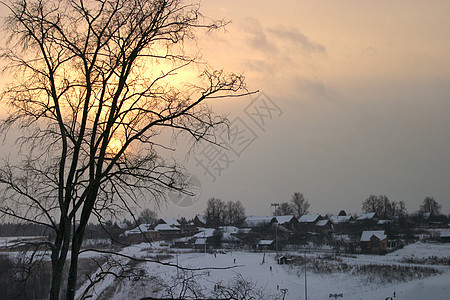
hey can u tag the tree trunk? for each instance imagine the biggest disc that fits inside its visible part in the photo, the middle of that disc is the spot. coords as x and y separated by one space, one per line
59 255
57 273
76 244
73 270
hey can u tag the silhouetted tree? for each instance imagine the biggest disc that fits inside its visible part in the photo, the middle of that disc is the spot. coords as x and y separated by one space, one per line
299 204
284 209
383 207
234 213
431 206
95 82
215 212
147 216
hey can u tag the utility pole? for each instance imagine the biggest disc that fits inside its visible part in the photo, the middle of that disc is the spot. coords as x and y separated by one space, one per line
204 237
276 225
275 205
306 282
276 237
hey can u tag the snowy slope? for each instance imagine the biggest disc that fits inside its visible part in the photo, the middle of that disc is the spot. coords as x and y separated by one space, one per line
273 277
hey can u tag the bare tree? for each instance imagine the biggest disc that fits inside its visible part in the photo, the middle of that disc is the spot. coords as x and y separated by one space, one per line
234 213
284 209
187 286
215 212
147 216
430 206
95 84
383 207
299 204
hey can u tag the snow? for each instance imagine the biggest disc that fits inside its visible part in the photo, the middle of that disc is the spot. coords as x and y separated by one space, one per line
367 235
322 223
284 219
253 221
309 218
141 228
205 232
340 219
170 221
273 277
368 216
166 227
266 242
445 233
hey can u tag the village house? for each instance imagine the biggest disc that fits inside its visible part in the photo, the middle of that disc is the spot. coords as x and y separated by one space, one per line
445 236
290 222
374 242
167 231
341 219
324 226
309 219
199 221
256 221
308 222
169 221
265 245
142 233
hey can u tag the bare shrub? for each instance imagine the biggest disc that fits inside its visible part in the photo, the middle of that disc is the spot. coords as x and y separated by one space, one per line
430 260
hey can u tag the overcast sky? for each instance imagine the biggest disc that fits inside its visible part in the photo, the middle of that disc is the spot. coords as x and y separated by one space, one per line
362 90
354 100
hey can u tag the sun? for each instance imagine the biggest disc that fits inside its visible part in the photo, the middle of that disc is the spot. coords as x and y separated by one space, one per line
114 146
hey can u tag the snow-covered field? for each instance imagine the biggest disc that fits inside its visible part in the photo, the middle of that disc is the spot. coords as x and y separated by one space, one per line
273 278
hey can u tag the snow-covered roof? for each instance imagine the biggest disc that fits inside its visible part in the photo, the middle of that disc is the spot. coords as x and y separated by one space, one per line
254 221
229 237
284 219
265 242
170 221
166 227
340 219
445 234
200 241
201 218
183 239
229 229
122 225
383 222
322 223
141 228
367 235
308 218
368 216
205 233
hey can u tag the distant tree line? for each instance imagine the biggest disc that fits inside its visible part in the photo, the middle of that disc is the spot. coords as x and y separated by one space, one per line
219 212
387 209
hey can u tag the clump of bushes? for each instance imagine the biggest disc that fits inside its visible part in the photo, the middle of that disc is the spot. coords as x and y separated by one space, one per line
430 260
19 281
380 274
383 274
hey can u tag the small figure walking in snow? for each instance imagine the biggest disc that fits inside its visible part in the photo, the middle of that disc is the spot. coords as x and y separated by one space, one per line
234 260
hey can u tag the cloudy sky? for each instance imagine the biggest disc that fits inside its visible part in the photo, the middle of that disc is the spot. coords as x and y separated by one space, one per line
360 99
354 100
